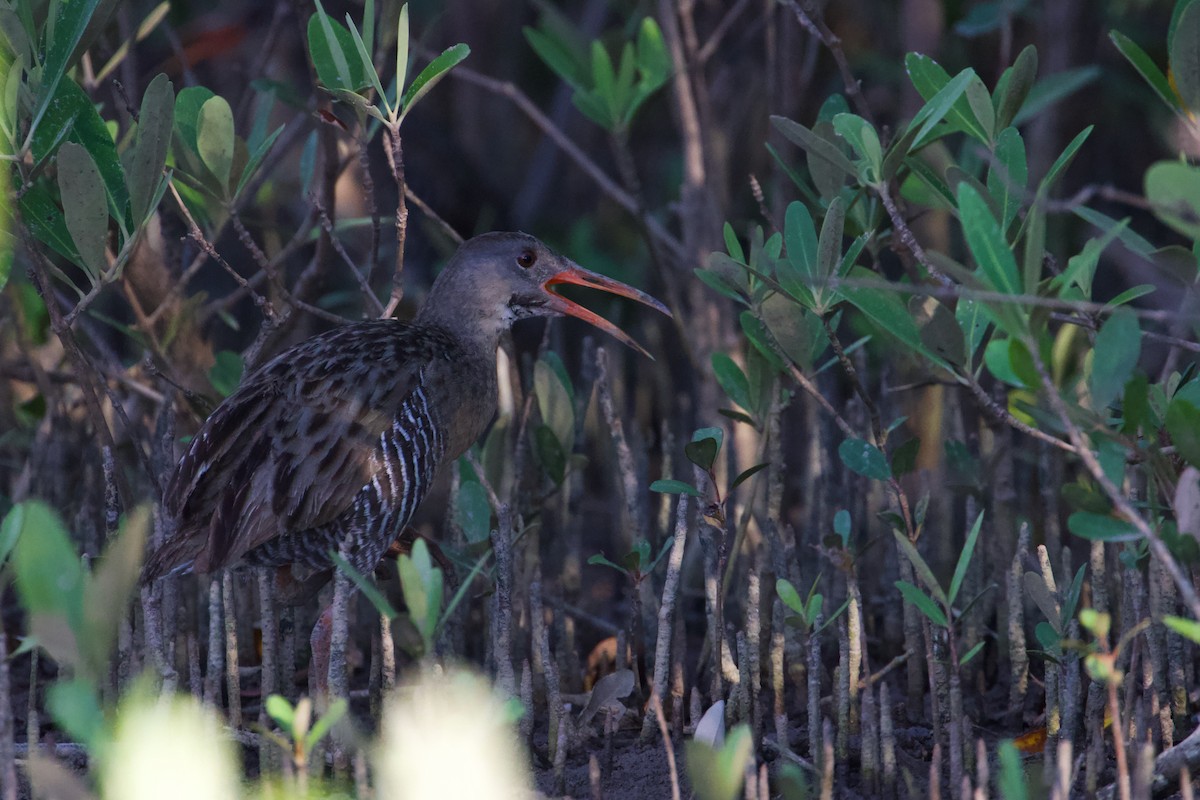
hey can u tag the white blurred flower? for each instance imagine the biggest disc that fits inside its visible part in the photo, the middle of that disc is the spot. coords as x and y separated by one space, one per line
448 736
169 748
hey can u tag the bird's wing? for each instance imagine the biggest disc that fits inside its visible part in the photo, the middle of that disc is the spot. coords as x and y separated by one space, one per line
290 449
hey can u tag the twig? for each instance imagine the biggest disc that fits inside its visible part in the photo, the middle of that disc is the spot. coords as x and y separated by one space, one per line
812 20
666 618
395 154
1001 414
364 281
907 237
570 149
1114 494
707 50
445 227
656 704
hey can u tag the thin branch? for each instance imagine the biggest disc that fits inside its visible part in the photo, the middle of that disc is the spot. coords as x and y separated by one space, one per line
1115 496
812 20
395 154
1002 415
570 149
364 281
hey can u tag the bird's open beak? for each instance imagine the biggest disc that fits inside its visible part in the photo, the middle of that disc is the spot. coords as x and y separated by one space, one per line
578 276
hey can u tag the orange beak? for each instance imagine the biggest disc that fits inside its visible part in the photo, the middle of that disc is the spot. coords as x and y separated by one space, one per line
578 276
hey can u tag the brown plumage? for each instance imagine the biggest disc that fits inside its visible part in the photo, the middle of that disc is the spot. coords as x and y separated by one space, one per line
339 438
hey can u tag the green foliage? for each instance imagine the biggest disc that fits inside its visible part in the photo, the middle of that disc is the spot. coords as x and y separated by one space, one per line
422 584
342 58
609 95
716 773
297 725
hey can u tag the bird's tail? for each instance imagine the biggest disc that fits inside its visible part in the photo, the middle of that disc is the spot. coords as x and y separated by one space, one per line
176 556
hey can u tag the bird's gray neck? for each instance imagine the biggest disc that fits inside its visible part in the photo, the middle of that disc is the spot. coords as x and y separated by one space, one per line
477 322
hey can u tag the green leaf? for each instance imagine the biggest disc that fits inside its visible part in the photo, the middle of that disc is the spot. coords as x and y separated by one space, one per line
402 39
1081 267
75 706
1183 425
862 137
1101 527
421 584
829 249
920 566
1052 88
1146 68
925 605
732 380
561 57
1011 779
256 159
64 32
1048 637
48 573
939 329
798 333
1187 628
1173 187
864 458
333 53
367 587
798 273
188 103
226 372
923 125
790 597
986 241
1064 160
745 474
364 58
434 71
599 560
814 145
41 214
72 117
904 457
1184 47
84 206
155 121
555 403
1118 347
1006 180
928 78
702 453
215 138
280 710
473 511
337 709
107 594
841 525
718 774
550 453
1014 85
980 102
672 486
964 560
974 651
888 313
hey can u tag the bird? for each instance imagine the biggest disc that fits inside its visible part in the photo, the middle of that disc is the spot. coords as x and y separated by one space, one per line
332 445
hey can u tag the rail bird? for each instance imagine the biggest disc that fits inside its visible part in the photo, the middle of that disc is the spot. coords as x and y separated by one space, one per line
335 442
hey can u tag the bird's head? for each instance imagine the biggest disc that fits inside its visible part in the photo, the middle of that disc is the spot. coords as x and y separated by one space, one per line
497 278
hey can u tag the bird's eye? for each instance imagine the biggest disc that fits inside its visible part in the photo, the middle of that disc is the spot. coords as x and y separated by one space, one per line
526 259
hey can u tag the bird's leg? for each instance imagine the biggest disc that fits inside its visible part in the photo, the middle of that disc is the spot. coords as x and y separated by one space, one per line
294 585
319 642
